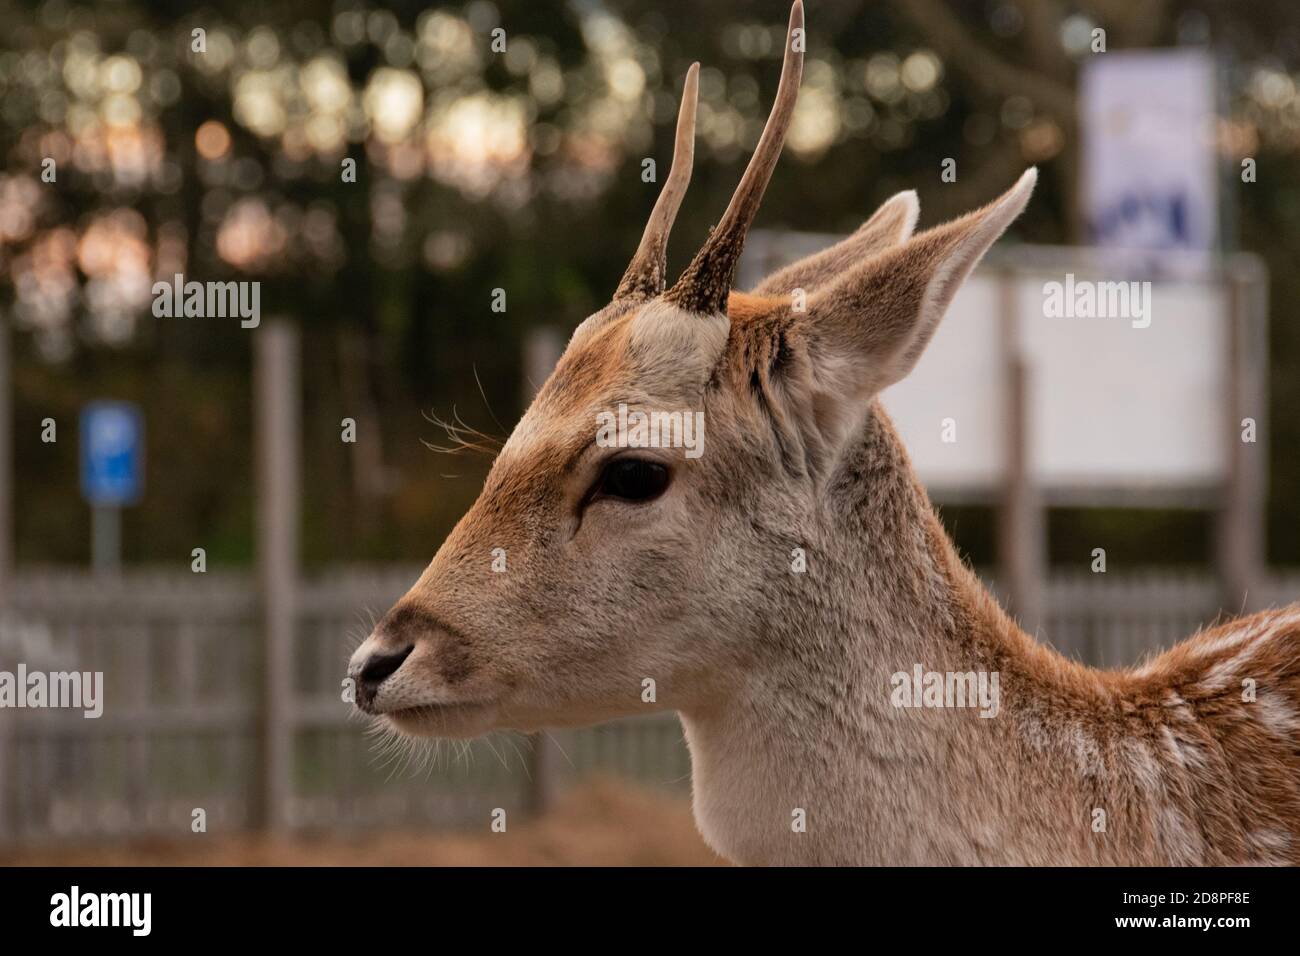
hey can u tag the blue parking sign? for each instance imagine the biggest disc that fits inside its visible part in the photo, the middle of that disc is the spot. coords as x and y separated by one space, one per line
112 453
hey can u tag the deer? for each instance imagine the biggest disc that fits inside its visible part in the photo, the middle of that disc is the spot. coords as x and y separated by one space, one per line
635 567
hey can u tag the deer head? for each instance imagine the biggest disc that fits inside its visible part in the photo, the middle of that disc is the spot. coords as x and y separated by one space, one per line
584 571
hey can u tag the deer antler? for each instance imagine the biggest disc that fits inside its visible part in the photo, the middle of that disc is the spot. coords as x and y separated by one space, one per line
645 275
704 286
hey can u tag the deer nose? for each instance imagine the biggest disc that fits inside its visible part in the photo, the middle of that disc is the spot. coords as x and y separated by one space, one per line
378 667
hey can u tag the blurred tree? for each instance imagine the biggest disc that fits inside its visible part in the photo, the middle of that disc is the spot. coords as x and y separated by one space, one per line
381 170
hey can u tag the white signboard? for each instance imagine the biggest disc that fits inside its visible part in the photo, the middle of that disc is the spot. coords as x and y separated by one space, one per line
1150 167
1127 376
1112 403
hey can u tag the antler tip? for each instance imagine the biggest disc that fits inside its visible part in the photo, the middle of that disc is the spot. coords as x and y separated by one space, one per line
704 285
691 89
645 277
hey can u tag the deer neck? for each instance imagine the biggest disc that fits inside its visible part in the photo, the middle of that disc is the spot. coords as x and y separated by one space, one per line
807 759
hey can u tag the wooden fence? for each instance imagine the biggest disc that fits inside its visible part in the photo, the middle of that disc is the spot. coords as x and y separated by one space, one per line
179 655
180 730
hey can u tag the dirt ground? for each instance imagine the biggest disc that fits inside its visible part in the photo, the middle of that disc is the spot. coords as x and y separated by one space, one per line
600 823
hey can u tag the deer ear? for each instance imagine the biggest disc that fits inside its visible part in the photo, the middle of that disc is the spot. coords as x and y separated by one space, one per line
871 325
892 224
814 371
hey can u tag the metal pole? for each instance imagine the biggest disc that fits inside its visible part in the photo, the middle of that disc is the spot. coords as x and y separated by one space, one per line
1021 546
1241 534
276 407
106 539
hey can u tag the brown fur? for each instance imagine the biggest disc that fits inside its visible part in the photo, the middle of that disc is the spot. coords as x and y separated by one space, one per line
744 308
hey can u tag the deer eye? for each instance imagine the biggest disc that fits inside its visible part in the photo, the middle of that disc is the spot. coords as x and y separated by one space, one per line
632 479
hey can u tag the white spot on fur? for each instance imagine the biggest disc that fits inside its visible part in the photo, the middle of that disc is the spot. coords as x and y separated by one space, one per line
1173 747
1222 642
1145 771
1086 754
1275 713
1269 846
1229 673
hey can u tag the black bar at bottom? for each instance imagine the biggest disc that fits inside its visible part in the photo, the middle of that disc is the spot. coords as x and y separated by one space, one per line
363 906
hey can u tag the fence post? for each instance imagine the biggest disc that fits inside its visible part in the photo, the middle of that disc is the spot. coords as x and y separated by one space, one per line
1020 520
276 411
542 349
1241 538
